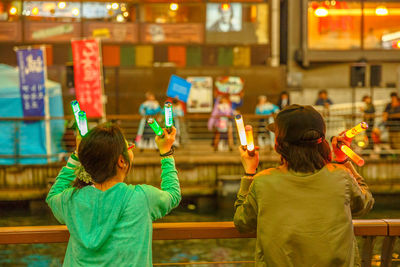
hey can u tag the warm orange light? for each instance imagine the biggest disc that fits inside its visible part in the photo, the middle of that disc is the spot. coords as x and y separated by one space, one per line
174 6
225 6
398 44
35 11
356 130
381 11
353 156
61 5
75 12
13 10
321 12
250 140
114 6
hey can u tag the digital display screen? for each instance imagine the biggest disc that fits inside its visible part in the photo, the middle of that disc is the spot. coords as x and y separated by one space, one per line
224 17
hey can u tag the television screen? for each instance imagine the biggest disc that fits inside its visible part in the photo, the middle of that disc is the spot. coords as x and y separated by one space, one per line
224 17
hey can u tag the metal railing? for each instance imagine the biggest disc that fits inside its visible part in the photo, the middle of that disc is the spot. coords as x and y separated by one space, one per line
369 230
195 133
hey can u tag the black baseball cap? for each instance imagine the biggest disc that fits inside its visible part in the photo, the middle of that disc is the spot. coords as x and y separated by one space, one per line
299 120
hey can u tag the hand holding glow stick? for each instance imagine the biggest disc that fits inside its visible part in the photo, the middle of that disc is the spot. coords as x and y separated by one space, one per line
351 154
169 117
250 140
241 130
155 127
82 123
356 130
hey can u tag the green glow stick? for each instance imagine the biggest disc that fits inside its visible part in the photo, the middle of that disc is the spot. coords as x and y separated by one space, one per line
82 123
155 126
75 110
169 117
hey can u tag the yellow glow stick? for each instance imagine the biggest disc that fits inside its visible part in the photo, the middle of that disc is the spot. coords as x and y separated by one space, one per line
240 129
353 156
356 130
250 140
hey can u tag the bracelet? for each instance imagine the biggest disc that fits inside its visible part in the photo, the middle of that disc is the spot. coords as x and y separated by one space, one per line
250 174
169 153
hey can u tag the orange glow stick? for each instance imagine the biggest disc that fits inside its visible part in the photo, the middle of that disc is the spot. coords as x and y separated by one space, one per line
250 140
356 130
353 156
240 129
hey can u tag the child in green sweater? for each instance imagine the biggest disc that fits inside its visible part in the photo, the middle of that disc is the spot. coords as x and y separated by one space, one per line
110 222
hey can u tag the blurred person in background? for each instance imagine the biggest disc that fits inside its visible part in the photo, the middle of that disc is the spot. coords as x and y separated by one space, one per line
110 222
302 210
267 109
369 118
391 116
323 99
145 135
220 122
284 100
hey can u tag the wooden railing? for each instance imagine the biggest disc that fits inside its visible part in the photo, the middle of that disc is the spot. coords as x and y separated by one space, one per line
369 230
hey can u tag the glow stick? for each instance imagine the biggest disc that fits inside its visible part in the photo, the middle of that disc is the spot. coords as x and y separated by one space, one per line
250 140
169 118
240 129
356 130
82 123
353 156
155 127
75 109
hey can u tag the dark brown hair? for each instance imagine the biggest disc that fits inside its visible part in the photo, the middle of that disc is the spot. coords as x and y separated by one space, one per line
303 157
99 151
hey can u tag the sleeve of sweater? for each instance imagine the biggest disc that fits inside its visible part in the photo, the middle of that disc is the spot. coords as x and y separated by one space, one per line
361 200
63 182
161 202
245 218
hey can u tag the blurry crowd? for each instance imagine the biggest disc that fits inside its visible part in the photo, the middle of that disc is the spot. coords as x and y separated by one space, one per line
381 127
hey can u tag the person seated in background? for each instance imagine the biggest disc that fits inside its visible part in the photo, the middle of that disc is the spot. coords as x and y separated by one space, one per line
323 99
267 109
391 116
302 210
110 222
369 118
145 136
284 100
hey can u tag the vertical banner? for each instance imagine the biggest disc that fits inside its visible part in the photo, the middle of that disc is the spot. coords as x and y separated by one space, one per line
88 76
31 78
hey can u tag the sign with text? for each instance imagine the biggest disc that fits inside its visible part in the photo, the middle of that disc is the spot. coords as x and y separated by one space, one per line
201 95
87 74
51 31
178 88
32 80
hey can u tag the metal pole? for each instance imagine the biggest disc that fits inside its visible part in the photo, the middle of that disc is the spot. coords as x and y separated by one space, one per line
275 37
46 108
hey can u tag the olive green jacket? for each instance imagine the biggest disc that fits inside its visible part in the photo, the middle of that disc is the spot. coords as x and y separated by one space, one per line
303 219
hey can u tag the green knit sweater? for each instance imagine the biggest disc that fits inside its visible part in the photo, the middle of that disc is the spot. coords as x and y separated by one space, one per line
112 227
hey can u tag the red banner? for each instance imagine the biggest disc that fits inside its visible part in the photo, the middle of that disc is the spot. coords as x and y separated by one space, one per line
87 73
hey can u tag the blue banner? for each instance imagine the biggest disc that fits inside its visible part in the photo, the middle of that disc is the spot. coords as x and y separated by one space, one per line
179 88
31 81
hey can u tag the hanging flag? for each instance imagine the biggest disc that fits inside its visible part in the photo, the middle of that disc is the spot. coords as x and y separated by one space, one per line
32 80
88 76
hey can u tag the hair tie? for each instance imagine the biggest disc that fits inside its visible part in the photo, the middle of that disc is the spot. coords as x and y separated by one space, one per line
83 175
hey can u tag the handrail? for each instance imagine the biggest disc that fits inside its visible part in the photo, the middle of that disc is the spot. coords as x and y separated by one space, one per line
179 231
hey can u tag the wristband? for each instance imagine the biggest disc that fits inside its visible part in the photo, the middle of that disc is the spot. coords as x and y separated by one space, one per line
250 174
169 153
